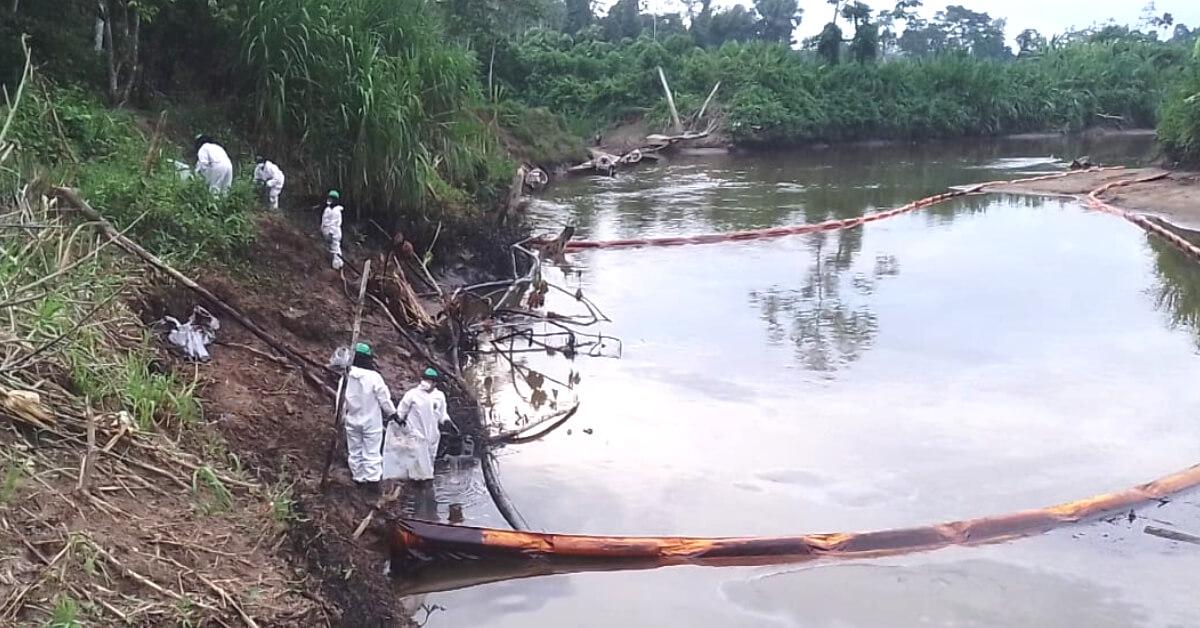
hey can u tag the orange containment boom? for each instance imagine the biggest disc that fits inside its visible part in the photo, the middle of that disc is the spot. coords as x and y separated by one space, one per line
422 539
828 225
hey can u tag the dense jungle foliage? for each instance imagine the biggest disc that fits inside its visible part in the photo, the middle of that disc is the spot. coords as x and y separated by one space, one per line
889 75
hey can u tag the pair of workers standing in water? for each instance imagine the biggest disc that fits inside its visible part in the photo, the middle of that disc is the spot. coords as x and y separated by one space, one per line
413 429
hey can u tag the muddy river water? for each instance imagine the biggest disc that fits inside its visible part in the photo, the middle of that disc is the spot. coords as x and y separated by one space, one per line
987 355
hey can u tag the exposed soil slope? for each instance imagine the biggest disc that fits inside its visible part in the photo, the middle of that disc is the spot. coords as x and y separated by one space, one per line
280 425
1174 198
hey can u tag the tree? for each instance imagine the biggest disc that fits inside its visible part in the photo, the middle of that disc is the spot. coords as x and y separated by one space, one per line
973 32
1183 35
481 22
700 21
777 19
734 24
663 25
865 44
829 43
579 16
624 19
922 38
1030 42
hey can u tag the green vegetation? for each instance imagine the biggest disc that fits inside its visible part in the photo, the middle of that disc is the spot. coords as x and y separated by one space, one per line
65 613
212 494
1179 130
375 88
68 137
770 93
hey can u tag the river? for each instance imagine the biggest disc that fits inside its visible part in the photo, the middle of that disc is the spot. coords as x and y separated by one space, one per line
990 354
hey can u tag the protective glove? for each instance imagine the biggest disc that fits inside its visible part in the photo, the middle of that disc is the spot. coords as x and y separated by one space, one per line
394 417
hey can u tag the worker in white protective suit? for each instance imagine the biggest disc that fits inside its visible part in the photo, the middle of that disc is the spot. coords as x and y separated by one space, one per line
270 177
421 414
212 163
368 404
331 227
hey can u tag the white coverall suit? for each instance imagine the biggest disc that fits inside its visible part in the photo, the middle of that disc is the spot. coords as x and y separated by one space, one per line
271 177
331 229
368 400
212 163
424 411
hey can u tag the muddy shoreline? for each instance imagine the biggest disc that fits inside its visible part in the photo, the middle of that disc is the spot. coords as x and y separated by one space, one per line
1170 196
629 135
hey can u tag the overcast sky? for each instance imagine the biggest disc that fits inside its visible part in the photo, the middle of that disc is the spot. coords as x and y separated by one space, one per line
1047 16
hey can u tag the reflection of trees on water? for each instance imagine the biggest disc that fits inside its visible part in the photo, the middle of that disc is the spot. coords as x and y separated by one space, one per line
1178 291
820 318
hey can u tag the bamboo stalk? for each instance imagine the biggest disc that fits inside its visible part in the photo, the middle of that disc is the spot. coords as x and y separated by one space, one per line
670 101
704 107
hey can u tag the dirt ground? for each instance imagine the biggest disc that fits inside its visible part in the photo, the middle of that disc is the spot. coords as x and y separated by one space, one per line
1175 198
282 427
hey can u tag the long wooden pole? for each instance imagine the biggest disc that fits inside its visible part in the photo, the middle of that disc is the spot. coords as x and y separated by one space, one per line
670 101
339 408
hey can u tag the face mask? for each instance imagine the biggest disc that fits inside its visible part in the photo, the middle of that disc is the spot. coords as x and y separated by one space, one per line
426 385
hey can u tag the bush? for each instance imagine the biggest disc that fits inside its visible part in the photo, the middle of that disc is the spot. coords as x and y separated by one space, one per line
101 151
179 218
1179 130
776 95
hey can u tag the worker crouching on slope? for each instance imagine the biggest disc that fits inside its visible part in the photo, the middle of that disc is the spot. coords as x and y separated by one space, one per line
213 164
270 177
368 404
412 445
331 227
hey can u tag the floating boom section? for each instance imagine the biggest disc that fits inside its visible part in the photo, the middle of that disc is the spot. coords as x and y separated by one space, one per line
423 539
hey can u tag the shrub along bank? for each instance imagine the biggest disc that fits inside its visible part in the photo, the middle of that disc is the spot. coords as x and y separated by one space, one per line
1179 130
773 94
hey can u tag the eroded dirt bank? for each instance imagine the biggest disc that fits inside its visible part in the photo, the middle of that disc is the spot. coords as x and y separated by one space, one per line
281 426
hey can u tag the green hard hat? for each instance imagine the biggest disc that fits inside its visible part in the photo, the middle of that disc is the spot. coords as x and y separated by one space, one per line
431 373
363 348
334 194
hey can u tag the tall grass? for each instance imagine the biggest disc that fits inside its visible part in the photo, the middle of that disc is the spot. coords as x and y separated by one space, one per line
382 100
62 296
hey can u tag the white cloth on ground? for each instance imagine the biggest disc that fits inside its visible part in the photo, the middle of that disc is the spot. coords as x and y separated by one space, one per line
193 337
367 401
269 174
212 163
